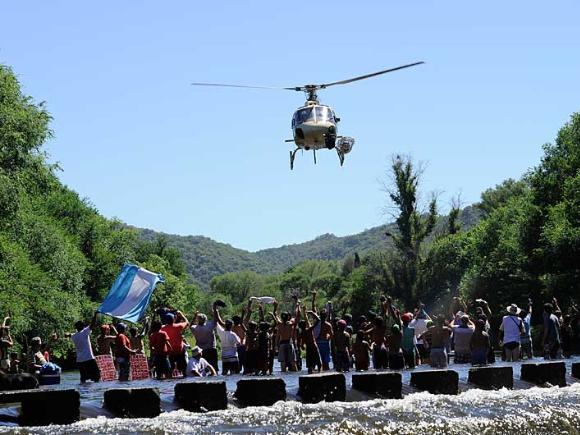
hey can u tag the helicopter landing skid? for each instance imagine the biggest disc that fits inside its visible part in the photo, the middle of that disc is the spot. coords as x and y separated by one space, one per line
292 156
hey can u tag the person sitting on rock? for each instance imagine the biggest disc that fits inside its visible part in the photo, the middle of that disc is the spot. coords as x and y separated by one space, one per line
34 358
197 366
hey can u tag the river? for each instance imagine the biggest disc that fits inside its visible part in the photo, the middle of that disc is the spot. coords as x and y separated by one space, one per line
531 411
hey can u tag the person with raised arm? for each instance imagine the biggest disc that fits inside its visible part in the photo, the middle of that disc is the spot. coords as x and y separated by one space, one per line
286 328
419 324
551 338
307 341
175 325
240 330
377 333
105 339
439 335
87 365
160 347
323 333
203 331
123 351
136 337
229 341
251 341
526 337
264 344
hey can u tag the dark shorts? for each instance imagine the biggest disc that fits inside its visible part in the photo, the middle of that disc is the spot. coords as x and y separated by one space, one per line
89 370
178 362
410 357
211 356
512 345
324 349
462 358
312 357
162 365
396 361
250 362
231 366
342 361
286 354
241 355
380 357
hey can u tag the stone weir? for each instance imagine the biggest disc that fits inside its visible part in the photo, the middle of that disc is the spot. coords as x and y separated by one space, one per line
41 407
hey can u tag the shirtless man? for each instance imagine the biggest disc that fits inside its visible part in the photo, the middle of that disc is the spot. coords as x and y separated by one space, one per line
440 335
286 329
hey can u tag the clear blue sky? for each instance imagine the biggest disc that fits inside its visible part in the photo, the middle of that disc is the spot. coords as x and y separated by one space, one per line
143 145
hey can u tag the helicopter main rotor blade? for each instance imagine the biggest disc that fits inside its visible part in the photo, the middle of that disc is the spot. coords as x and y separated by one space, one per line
241 86
366 76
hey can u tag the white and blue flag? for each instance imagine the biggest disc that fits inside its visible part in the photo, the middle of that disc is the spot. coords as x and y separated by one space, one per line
130 294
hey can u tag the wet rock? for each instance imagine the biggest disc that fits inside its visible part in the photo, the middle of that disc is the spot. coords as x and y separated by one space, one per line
329 387
436 381
492 378
133 402
553 373
201 395
23 381
260 391
386 385
44 407
576 370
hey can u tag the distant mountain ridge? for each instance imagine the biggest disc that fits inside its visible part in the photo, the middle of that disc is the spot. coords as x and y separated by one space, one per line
205 258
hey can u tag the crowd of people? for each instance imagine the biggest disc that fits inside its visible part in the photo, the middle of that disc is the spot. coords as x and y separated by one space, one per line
310 338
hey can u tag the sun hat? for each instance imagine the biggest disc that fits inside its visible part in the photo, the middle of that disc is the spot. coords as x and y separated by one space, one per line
513 309
195 351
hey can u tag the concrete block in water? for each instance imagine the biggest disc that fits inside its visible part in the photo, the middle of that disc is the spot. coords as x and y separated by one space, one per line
329 387
576 370
553 373
260 391
133 402
492 378
436 381
384 384
201 396
44 407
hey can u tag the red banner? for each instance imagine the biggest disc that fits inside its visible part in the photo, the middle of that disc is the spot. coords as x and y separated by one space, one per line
139 367
106 367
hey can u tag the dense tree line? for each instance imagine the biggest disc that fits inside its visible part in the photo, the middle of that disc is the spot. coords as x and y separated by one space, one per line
58 256
526 245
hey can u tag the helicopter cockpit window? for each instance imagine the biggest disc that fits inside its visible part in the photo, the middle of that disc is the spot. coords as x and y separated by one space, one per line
304 115
324 114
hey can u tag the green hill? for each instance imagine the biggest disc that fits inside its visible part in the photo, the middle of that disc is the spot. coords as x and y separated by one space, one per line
205 258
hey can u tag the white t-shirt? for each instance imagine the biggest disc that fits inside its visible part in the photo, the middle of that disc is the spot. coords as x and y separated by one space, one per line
197 364
510 326
420 326
82 342
230 342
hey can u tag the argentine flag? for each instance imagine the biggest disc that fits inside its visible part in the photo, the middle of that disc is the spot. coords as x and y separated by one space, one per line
130 294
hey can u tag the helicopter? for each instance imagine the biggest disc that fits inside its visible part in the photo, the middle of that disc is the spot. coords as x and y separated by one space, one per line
314 125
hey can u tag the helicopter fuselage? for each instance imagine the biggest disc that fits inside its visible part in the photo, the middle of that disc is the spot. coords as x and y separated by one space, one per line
314 126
